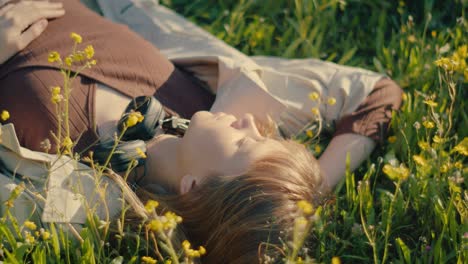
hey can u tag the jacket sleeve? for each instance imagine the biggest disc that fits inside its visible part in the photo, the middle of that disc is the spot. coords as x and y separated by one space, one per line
373 115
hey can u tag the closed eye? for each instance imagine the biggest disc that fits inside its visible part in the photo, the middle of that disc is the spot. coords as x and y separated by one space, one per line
242 141
245 140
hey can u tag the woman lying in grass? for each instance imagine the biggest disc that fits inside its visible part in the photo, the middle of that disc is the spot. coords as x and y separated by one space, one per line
234 182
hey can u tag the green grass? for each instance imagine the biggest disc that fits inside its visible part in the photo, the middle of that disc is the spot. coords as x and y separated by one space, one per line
424 218
418 214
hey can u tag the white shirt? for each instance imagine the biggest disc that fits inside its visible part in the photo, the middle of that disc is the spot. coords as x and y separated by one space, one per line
263 86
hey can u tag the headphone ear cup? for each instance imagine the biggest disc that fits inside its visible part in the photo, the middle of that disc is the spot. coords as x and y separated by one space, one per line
153 113
124 154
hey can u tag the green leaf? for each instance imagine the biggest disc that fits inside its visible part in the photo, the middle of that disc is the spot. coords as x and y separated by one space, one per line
347 56
117 260
406 251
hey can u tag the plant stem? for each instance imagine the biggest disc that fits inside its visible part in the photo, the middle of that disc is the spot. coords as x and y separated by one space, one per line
389 221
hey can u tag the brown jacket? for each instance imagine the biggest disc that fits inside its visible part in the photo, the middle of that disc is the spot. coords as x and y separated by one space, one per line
126 62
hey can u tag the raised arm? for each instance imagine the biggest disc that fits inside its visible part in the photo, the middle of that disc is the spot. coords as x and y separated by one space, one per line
23 21
358 133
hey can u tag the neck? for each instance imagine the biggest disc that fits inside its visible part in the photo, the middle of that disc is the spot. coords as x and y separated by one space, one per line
163 162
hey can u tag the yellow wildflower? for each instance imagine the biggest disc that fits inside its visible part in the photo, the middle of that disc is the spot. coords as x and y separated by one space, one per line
191 252
45 235
419 160
404 96
444 168
29 238
314 96
309 133
331 101
78 57
56 90
134 118
5 115
89 51
305 207
433 33
141 153
151 205
93 62
186 245
56 96
458 165
67 143
423 145
396 173
392 139
446 63
411 38
336 260
168 261
173 217
317 149
148 260
458 62
202 250
462 147
430 103
428 124
30 225
14 194
438 139
54 56
69 61
155 225
462 51
315 111
9 203
76 37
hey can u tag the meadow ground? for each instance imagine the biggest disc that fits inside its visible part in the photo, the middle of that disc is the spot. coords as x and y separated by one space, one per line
409 202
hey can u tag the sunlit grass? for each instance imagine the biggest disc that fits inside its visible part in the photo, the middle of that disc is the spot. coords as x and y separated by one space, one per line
409 202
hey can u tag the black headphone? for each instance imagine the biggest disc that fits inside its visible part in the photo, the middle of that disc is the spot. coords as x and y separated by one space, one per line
154 122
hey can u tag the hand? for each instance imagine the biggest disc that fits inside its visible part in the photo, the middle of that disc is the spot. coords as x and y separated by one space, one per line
22 22
333 160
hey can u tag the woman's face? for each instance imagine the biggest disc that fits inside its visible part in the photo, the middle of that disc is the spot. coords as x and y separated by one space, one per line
221 144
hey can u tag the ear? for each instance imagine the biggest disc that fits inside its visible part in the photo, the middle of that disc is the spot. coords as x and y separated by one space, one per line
187 183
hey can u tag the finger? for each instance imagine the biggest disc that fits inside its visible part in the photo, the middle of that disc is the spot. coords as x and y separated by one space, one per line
49 4
31 33
46 4
4 2
37 15
50 13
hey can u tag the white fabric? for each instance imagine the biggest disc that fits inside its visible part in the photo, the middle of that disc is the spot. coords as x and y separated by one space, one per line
271 86
58 189
109 106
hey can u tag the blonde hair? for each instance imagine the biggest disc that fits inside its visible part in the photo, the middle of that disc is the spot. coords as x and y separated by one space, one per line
233 215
